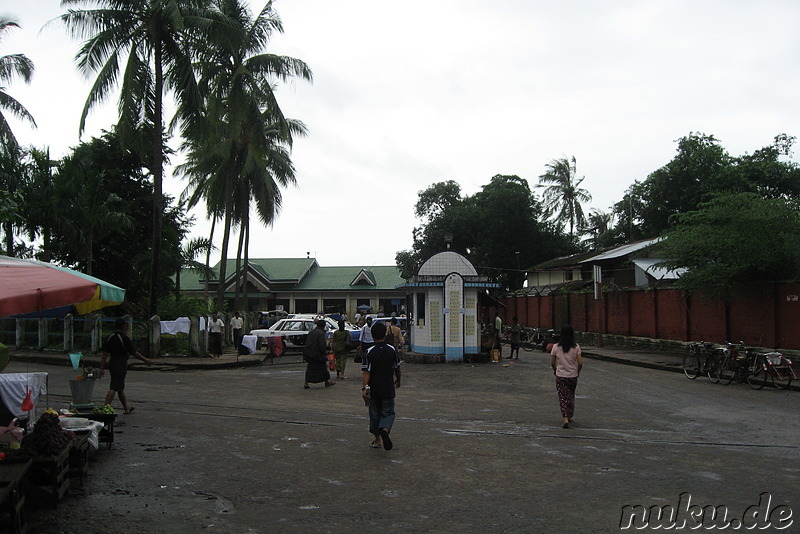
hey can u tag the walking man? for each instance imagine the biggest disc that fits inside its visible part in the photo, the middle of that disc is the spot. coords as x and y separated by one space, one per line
116 350
381 377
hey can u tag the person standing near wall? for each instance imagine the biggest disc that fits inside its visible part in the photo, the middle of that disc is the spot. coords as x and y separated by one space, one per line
236 324
498 332
516 332
215 327
567 362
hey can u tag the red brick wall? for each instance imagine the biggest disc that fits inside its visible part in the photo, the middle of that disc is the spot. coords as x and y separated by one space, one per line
768 320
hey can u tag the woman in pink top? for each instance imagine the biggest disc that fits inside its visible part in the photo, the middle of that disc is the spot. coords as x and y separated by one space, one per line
567 362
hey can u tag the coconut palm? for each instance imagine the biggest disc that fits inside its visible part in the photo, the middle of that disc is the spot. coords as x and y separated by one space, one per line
12 172
41 214
562 193
188 254
11 67
598 226
149 38
242 152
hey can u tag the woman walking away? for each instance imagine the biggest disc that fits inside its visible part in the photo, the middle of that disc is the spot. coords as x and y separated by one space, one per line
567 362
341 346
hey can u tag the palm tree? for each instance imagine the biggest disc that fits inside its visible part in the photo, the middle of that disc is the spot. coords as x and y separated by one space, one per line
150 37
562 193
598 225
188 254
12 66
12 171
243 150
41 214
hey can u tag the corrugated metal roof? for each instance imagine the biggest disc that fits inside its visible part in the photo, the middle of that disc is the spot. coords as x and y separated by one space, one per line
620 251
649 265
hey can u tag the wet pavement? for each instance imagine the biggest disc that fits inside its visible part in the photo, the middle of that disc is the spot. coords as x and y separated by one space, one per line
230 359
238 446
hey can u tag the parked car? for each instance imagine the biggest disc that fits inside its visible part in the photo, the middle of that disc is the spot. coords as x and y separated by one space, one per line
402 322
296 328
333 325
269 318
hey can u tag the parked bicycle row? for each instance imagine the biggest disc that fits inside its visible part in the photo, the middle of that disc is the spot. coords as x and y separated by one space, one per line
735 361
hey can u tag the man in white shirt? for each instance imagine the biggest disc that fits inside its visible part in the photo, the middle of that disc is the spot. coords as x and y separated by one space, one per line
236 324
215 327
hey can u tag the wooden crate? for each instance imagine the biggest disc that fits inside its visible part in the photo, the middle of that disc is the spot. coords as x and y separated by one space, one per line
48 478
12 496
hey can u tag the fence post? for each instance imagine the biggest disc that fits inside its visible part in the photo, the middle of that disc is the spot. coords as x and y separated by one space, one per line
20 333
154 336
69 333
194 337
43 333
97 333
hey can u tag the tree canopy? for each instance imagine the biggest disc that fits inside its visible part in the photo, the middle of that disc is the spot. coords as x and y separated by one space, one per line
735 242
498 228
702 169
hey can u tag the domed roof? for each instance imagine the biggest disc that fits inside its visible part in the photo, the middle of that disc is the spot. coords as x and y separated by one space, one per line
447 262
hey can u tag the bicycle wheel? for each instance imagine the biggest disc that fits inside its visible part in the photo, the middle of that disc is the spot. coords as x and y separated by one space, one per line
726 370
712 364
757 377
691 364
527 341
781 376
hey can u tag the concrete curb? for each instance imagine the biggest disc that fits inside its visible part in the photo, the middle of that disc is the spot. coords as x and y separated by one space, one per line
636 363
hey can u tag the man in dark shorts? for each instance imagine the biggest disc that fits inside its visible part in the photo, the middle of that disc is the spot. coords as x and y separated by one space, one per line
381 376
118 347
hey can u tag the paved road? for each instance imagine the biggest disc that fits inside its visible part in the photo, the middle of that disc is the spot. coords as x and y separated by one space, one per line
478 448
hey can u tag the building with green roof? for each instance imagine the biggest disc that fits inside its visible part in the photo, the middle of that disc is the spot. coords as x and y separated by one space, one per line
301 285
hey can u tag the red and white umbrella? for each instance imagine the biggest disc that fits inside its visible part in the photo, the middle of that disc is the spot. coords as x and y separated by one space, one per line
29 286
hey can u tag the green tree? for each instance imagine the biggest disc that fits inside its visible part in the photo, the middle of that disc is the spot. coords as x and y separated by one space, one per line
120 255
735 243
86 206
12 66
12 180
599 227
562 193
151 37
498 228
700 170
39 212
189 251
241 157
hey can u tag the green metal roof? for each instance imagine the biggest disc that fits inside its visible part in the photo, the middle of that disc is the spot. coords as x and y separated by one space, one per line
340 278
304 274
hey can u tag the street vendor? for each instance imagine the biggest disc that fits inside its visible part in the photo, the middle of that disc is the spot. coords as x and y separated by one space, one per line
116 349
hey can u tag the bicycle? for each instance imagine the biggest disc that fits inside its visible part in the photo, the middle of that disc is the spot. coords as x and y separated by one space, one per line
736 363
772 366
530 338
699 358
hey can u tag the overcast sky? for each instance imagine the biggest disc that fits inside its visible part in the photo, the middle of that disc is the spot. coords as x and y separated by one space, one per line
406 94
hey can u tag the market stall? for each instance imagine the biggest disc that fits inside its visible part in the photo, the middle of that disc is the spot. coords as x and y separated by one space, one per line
20 393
